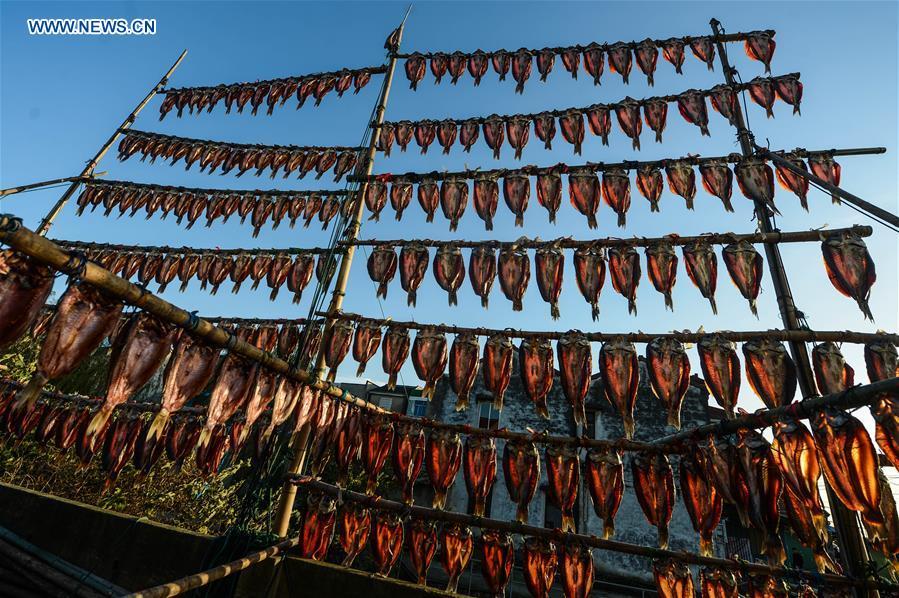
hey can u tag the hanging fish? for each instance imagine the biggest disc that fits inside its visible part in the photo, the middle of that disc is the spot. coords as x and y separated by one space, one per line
756 181
546 58
497 367
681 180
382 264
337 340
480 470
599 118
464 360
764 586
517 130
770 371
590 271
413 265
385 138
422 544
717 180
628 113
439 64
572 125
545 128
620 60
404 131
563 476
229 395
446 134
724 101
885 537
377 441
691 105
497 557
744 264
881 364
535 359
759 46
605 481
655 112
616 190
789 89
654 487
449 270
458 62
365 343
375 198
400 197
849 460
704 49
594 61
620 373
355 525
494 134
577 570
25 285
549 192
429 359
444 457
832 373
650 185
673 51
647 55
521 471
624 268
850 268
521 68
825 167
673 579
394 352
793 182
514 274
425 133
669 375
718 583
318 526
575 359
477 66
456 548
453 200
571 60
702 268
549 262
408 454
482 271
84 317
516 193
761 91
661 265
468 134
762 483
119 447
704 504
387 541
486 197
584 193
415 70
794 452
539 566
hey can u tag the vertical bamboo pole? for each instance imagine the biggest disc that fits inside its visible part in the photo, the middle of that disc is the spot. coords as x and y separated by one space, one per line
47 222
854 553
288 492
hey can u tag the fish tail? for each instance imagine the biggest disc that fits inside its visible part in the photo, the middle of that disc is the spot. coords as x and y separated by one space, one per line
332 374
452 584
498 402
410 298
554 311
674 417
591 221
453 300
391 382
461 403
658 137
866 310
689 204
595 311
568 523
542 409
669 302
485 300
728 207
803 201
361 368
480 506
753 308
654 206
663 534
608 528
632 306
205 435
371 486
823 562
714 305
157 426
705 546
29 394
629 427
637 143
382 290
774 550
796 110
97 422
521 514
439 500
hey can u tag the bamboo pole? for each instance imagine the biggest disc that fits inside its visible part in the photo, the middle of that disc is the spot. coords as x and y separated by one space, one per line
675 240
288 495
849 197
557 535
729 37
47 222
855 554
30 186
809 336
204 578
532 169
88 246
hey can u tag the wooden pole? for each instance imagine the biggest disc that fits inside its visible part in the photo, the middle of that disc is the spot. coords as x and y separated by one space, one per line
854 553
776 236
47 222
557 535
204 578
30 186
288 495
849 197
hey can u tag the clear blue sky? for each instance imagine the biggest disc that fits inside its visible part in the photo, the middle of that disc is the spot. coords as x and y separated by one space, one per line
62 96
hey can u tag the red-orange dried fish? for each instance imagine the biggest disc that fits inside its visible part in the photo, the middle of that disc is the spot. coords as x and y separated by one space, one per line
355 526
673 579
521 471
654 487
539 566
456 548
563 474
480 470
661 266
850 268
464 361
443 461
770 371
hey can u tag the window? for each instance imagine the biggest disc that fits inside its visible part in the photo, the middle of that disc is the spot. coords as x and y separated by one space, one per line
488 417
418 407
386 403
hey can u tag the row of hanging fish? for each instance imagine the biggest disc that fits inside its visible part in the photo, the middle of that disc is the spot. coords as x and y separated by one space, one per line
162 266
188 206
849 267
260 94
759 46
586 189
244 158
514 129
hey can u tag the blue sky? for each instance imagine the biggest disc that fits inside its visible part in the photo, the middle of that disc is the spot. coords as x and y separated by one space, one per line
62 96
